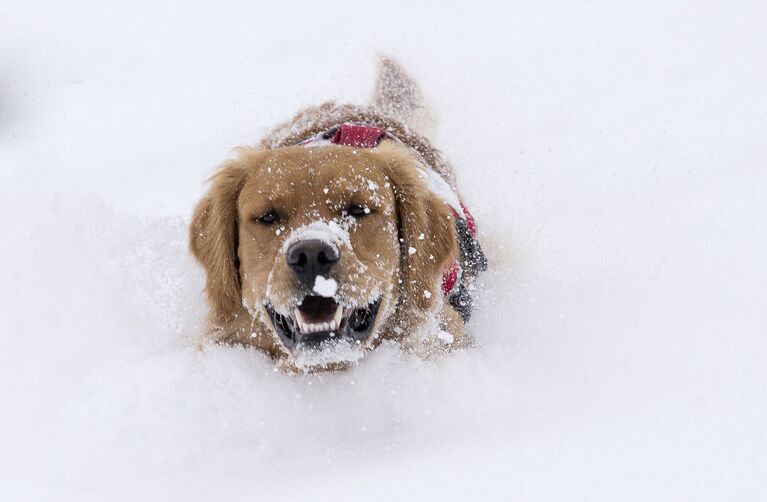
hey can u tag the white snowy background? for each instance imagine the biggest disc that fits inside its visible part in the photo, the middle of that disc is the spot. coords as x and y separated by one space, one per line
612 152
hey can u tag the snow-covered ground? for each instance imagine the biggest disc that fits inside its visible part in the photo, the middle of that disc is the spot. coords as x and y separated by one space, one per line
612 152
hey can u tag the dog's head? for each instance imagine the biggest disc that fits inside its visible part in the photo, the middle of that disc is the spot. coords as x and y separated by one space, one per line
322 247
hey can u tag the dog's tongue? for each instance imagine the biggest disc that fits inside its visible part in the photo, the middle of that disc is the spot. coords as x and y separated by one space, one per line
318 309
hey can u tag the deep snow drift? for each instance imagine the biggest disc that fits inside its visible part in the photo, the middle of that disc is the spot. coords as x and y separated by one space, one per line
614 158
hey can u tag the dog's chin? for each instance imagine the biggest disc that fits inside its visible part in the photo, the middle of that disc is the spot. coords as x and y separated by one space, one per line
324 328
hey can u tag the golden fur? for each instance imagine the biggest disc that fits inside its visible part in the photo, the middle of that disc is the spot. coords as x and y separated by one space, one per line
399 250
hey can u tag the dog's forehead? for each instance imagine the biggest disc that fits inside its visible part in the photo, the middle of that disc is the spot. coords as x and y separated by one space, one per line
306 171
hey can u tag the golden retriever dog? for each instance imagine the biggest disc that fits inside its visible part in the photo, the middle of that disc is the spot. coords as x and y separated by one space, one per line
341 230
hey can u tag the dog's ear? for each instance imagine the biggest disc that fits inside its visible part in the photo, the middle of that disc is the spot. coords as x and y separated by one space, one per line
213 237
426 232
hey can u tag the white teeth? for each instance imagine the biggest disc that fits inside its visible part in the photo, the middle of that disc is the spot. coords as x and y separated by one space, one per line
307 327
337 318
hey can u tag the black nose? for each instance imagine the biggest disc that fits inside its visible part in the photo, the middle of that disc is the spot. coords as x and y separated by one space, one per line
311 258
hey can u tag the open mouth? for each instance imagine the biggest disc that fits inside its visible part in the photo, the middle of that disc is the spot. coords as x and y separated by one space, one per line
320 321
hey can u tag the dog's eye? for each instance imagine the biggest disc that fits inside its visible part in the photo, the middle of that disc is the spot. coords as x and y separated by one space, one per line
269 217
357 210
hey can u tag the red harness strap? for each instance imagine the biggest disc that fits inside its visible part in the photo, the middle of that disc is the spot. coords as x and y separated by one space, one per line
358 135
453 273
362 136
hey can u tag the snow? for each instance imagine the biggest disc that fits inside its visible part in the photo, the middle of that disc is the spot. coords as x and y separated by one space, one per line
445 336
326 287
344 351
612 154
439 187
331 232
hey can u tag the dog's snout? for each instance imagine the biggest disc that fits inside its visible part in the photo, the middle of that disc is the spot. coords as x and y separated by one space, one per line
311 258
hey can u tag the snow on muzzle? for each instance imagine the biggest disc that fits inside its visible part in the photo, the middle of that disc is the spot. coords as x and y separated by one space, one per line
319 322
